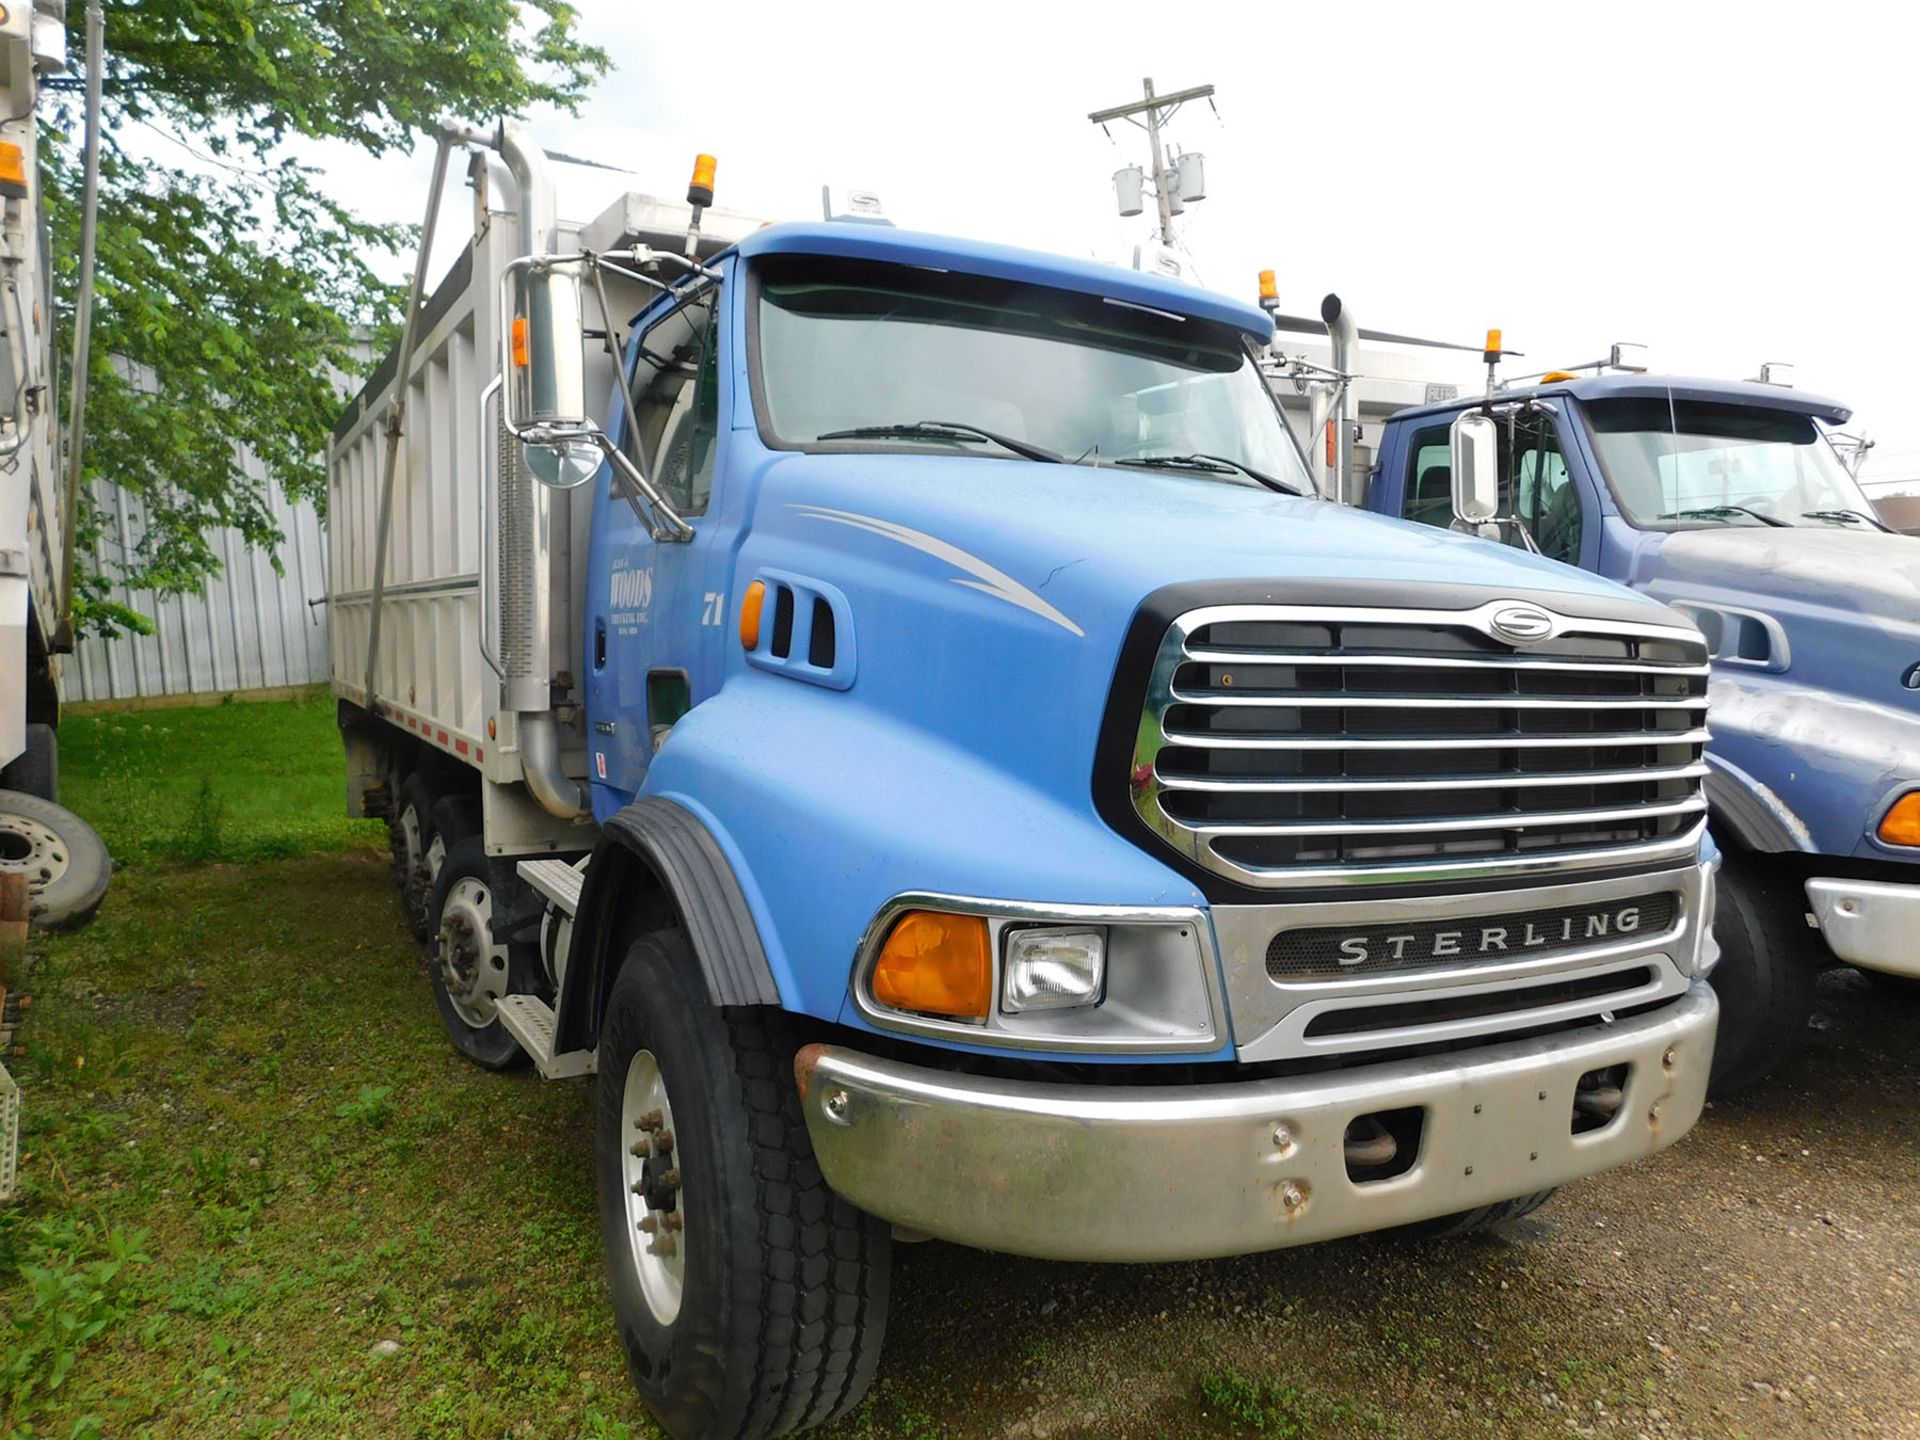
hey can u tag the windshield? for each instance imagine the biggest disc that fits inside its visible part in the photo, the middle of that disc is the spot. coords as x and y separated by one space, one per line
1677 464
967 364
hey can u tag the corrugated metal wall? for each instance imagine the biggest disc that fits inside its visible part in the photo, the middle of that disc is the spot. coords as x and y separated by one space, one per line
251 630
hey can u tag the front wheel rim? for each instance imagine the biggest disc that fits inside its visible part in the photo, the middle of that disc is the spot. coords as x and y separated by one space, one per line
650 1183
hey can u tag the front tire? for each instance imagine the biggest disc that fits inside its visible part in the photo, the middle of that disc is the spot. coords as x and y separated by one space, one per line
764 1312
1765 978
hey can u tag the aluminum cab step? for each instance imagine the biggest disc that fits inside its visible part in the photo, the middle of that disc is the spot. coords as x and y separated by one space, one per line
530 1021
557 880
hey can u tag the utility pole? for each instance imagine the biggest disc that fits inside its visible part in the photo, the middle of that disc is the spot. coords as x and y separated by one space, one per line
1158 109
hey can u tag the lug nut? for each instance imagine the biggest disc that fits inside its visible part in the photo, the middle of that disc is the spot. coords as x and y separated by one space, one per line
673 1220
664 1140
672 1178
664 1246
649 1224
642 1148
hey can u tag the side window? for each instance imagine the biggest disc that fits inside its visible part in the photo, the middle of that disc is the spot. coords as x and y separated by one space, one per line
1429 491
676 398
1544 495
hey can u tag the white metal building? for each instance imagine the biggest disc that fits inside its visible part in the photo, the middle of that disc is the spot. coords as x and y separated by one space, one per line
251 629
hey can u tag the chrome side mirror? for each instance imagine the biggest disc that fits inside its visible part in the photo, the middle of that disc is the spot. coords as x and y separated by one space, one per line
543 360
1474 443
547 347
543 343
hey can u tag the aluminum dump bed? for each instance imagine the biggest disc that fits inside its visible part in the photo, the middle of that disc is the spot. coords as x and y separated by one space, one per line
477 554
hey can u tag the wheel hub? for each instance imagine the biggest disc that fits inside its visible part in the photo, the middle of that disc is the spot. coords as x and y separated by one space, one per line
473 964
651 1182
29 848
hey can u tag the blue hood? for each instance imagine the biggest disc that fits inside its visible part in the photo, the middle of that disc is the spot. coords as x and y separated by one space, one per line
1094 541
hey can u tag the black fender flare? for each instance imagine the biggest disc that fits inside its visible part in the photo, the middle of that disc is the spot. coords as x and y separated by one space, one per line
1744 819
657 866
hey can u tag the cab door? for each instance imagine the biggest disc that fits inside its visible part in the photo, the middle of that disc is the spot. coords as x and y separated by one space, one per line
651 605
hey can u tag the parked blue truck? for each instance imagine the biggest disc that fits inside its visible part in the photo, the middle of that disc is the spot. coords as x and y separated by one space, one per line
1726 501
890 707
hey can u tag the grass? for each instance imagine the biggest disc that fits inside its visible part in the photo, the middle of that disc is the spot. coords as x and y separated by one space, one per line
250 1158
260 1194
226 782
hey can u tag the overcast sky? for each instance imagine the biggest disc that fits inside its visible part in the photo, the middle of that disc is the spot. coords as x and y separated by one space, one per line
1726 184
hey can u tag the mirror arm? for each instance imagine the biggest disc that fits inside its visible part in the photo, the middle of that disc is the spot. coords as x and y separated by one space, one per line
665 525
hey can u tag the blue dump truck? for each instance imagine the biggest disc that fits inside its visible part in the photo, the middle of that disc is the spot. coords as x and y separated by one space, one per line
891 709
1726 501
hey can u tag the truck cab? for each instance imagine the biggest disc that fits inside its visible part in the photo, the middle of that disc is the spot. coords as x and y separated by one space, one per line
892 709
1725 501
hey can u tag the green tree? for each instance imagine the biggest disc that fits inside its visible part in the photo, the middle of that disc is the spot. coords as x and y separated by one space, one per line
226 272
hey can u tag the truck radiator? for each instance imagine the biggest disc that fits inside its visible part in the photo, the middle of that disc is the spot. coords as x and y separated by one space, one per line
1295 745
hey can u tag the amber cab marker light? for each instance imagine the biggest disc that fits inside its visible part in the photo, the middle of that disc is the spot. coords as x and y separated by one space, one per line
936 964
13 171
750 604
700 188
520 342
1902 825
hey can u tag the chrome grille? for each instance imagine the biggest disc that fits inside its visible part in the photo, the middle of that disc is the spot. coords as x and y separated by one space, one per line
1293 745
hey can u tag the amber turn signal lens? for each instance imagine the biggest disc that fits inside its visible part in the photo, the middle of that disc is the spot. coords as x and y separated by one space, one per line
750 615
13 171
936 964
520 341
1902 825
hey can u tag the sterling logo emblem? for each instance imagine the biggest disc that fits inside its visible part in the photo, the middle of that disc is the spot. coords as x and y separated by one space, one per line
1520 624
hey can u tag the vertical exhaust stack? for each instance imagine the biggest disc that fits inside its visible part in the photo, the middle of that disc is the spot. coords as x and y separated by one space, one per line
526 525
1345 338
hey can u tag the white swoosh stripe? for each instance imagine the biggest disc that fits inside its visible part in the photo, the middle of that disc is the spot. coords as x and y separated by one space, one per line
988 580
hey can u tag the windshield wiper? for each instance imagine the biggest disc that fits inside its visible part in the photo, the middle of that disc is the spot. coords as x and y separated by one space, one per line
1849 516
1708 512
943 430
1219 464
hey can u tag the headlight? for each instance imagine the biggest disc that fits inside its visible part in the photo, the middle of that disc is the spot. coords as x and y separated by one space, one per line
1036 976
1048 969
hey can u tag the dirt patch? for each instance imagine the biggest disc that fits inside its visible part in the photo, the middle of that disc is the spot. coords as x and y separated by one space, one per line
1761 1278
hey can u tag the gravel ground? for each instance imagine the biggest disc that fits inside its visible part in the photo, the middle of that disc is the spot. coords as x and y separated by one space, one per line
1760 1278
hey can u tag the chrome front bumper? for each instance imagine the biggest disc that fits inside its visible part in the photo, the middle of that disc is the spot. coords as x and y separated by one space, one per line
1869 923
1177 1172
